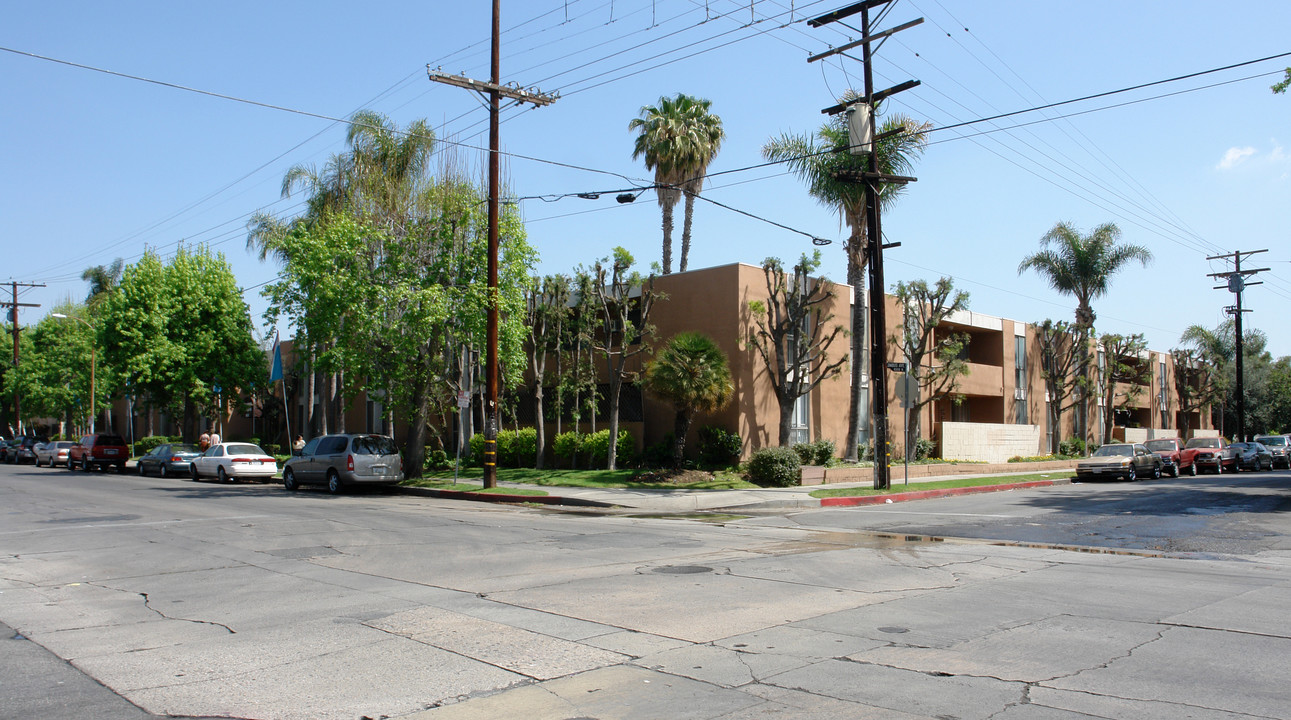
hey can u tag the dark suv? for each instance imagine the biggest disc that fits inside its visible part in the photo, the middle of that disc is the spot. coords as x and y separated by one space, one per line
23 449
98 452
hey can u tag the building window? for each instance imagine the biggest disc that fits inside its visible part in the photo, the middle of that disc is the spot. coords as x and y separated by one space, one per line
800 421
1020 378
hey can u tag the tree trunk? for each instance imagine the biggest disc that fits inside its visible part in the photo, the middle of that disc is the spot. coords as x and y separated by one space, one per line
680 428
856 396
339 379
685 231
311 415
786 417
667 237
616 381
539 423
414 457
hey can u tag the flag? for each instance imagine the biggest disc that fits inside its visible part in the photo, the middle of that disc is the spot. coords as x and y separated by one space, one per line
275 370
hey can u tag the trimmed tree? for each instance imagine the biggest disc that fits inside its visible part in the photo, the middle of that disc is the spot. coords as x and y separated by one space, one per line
935 361
693 374
1121 366
1060 353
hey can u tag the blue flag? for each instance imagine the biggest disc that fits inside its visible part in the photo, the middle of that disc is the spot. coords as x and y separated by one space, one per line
275 371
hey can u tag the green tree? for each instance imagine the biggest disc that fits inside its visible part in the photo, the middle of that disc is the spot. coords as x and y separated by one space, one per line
1282 86
103 280
1215 349
1060 352
678 139
1121 367
791 333
933 359
1082 266
54 375
823 162
546 313
177 331
622 300
1197 385
692 373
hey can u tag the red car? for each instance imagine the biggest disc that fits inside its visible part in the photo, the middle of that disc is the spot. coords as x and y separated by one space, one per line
98 451
1213 454
1175 458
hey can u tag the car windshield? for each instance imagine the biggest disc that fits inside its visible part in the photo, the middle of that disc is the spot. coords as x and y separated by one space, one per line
184 449
241 449
374 445
1159 445
1278 440
1203 443
1114 451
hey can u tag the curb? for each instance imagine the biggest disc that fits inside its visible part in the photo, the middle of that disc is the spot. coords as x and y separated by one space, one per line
502 497
929 494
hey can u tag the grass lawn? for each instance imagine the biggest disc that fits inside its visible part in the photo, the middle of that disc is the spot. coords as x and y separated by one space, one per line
897 487
689 480
470 487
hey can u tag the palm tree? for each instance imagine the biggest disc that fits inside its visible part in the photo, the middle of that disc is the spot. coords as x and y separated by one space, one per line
1082 266
678 139
819 161
103 280
692 373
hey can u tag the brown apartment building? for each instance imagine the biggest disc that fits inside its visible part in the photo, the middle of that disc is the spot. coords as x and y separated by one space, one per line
998 410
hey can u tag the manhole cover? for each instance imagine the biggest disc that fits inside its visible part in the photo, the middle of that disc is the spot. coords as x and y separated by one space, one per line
682 569
896 630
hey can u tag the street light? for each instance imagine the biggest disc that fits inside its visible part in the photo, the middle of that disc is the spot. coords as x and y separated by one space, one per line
93 354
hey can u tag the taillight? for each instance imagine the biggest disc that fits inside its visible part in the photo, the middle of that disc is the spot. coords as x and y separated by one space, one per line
176 459
242 460
349 463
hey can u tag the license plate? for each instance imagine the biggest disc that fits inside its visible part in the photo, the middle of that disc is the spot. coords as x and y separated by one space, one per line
379 470
110 451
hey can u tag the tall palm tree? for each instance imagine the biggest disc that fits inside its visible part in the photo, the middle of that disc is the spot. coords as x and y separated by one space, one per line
692 372
818 161
678 139
103 280
1082 266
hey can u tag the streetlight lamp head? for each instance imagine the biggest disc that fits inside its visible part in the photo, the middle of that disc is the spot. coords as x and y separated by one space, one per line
60 316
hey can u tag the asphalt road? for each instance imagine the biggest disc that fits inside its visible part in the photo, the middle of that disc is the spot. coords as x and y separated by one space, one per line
1232 514
138 597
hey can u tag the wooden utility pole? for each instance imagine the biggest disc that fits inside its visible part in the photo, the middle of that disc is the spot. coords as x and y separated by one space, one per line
13 306
495 91
1235 282
864 141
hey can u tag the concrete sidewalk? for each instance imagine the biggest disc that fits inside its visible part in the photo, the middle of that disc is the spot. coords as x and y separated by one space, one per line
687 501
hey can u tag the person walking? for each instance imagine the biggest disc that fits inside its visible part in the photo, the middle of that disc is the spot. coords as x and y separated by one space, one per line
204 441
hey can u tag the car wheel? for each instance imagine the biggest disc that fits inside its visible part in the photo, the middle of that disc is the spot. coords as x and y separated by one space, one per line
192 470
1134 474
220 475
162 471
1192 470
85 465
1174 471
289 480
334 483
1219 468
139 467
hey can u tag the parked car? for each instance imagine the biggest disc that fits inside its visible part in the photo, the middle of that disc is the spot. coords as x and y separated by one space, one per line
23 449
1174 459
4 449
1213 454
98 452
169 459
54 453
1130 461
1280 446
229 461
1253 456
340 460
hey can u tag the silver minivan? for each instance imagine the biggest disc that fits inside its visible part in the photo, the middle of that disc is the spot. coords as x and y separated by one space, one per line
340 460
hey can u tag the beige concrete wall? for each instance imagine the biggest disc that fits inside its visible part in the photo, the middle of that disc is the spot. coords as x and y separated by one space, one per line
989 442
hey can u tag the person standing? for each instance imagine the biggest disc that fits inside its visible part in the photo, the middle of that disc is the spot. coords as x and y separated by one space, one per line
299 444
215 438
204 441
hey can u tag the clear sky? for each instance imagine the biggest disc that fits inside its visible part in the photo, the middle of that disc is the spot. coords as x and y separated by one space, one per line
97 166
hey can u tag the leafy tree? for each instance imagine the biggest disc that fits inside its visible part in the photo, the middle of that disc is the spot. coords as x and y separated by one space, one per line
176 331
678 139
692 373
791 333
823 162
53 378
1282 86
1061 346
1121 366
622 299
546 313
1196 384
1279 396
924 309
1082 266
1215 349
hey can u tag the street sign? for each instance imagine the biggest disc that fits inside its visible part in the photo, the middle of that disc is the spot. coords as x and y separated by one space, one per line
897 367
907 389
463 400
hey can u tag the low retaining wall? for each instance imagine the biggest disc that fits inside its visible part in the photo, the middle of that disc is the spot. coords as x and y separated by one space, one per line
989 442
823 476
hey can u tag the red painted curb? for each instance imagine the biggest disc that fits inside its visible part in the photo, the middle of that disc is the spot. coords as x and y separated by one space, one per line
928 494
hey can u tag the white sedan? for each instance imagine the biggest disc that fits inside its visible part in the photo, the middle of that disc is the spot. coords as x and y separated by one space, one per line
227 461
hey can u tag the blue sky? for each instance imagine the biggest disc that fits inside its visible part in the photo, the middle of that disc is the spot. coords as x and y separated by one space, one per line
98 167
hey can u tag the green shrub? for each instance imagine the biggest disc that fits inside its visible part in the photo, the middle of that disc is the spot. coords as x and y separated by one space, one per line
565 447
806 453
270 448
823 451
775 467
436 460
477 451
597 448
145 445
718 448
524 447
924 448
1072 446
659 455
506 449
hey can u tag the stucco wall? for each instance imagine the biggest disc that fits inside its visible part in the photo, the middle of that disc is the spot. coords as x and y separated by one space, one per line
989 442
